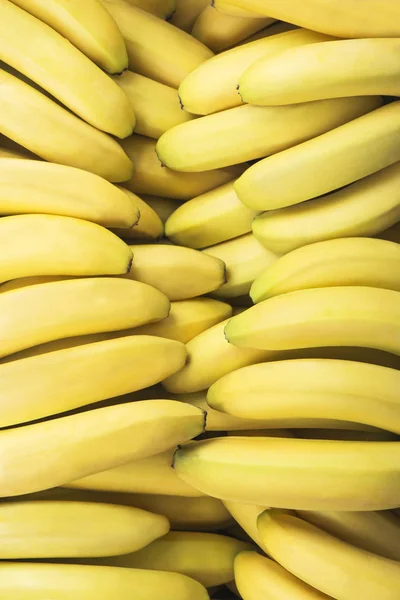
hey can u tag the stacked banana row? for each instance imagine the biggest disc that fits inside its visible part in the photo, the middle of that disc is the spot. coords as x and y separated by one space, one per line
199 299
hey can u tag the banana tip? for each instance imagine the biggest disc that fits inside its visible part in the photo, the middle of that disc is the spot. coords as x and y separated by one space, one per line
174 456
130 262
158 156
225 331
180 102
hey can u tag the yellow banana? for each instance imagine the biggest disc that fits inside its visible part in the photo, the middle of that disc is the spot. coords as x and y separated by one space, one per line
150 177
164 207
164 9
186 13
37 51
209 219
88 26
149 226
49 130
51 245
178 272
156 105
299 474
56 529
248 132
234 11
212 86
326 70
245 259
326 563
333 316
344 261
219 32
259 578
156 49
246 516
351 152
33 581
364 208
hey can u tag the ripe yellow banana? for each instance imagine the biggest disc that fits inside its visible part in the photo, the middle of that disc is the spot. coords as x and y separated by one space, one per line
156 49
156 105
178 272
209 219
365 208
37 51
164 9
57 135
377 532
51 245
152 475
186 13
246 516
326 563
212 86
149 227
164 207
150 177
234 11
245 259
248 132
33 581
332 316
325 163
311 388
219 32
326 70
56 529
88 26
299 474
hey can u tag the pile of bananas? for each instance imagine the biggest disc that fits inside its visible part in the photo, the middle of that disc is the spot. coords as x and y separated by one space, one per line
199 299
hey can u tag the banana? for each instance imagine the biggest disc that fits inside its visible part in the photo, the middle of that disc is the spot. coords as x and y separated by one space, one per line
234 11
212 86
206 557
219 32
345 261
364 208
248 132
156 105
51 245
49 130
294 473
327 162
208 219
321 317
375 18
87 26
325 70
164 207
186 13
149 227
311 388
150 177
187 319
245 259
164 9
152 475
56 529
33 581
178 272
246 516
376 532
259 578
326 563
37 51
156 49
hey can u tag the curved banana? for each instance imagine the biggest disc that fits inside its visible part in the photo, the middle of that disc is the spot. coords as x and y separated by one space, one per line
156 49
208 219
364 208
248 132
51 245
148 228
164 207
49 130
186 13
327 162
164 9
150 177
345 261
178 272
33 581
312 388
245 259
321 317
88 26
326 70
37 51
157 106
246 516
56 529
326 563
212 86
299 474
